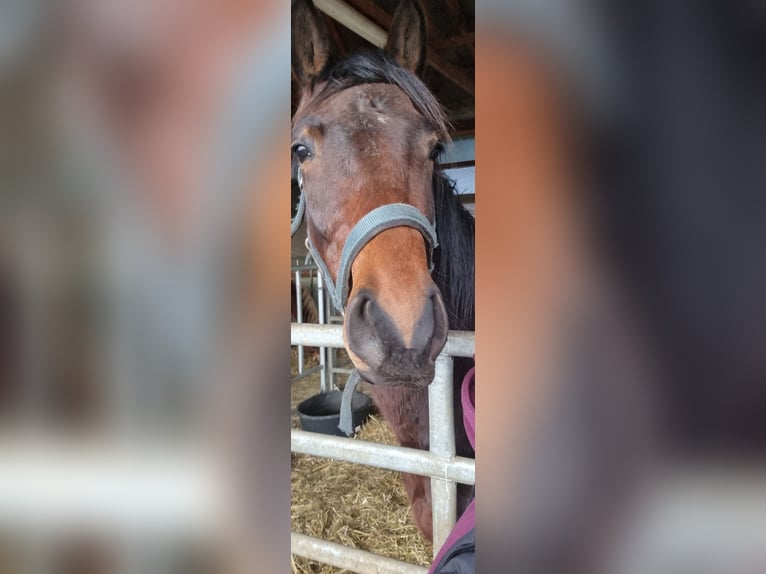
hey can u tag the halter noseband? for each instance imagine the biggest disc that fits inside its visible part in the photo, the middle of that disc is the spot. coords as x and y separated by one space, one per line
379 219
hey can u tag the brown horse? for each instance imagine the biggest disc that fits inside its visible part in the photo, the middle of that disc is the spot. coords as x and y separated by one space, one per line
365 138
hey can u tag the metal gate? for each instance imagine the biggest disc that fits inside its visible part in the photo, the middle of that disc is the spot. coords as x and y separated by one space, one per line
440 463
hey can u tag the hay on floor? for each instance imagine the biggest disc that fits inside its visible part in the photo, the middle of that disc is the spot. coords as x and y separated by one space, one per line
355 505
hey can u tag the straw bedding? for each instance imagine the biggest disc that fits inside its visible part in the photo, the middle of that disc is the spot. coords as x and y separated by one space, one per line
354 505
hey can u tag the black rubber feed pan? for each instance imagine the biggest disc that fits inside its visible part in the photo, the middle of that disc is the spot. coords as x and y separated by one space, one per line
321 413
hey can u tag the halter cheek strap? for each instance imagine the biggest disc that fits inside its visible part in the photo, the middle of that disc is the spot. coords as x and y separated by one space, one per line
378 220
296 221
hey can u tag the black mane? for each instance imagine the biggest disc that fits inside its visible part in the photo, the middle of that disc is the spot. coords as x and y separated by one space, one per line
373 67
454 262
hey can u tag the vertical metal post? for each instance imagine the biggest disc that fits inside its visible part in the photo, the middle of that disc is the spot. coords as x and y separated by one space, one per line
331 351
442 440
299 314
324 381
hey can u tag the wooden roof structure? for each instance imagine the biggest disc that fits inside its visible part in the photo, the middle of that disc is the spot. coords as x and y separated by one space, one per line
450 70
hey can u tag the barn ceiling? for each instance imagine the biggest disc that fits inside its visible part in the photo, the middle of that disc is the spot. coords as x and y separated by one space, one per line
450 70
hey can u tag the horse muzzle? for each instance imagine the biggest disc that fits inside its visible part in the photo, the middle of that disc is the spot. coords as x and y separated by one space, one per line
395 352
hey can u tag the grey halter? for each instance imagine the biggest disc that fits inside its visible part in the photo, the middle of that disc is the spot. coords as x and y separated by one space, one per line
378 220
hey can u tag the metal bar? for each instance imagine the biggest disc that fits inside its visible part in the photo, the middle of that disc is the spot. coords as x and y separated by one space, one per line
399 458
306 373
324 381
352 559
459 343
442 446
299 315
452 41
303 267
331 352
353 20
331 370
335 318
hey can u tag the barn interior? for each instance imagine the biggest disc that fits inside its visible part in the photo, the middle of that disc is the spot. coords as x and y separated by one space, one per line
359 506
361 24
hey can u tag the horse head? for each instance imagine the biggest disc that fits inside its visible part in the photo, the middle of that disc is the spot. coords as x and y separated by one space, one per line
365 137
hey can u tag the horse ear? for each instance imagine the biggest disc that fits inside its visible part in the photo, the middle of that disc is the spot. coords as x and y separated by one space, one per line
407 36
310 41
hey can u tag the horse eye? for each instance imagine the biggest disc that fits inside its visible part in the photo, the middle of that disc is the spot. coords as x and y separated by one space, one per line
436 152
301 152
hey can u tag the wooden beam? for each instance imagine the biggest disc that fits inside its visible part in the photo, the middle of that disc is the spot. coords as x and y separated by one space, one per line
456 11
451 72
457 14
335 36
452 41
371 10
465 127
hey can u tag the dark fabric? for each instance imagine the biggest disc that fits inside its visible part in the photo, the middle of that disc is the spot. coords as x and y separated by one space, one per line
461 557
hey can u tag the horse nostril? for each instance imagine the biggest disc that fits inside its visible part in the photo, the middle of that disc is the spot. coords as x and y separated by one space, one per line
440 324
430 330
362 337
361 308
366 309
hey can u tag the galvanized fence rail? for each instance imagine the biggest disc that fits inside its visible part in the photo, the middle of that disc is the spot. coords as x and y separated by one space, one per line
329 366
440 463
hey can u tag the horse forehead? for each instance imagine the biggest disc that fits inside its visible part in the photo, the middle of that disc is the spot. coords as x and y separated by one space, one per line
381 104
383 98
